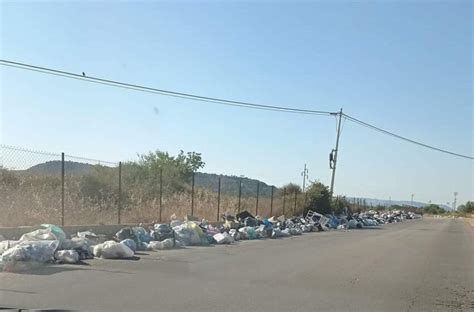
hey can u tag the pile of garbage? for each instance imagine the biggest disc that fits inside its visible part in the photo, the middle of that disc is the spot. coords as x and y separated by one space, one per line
50 244
370 218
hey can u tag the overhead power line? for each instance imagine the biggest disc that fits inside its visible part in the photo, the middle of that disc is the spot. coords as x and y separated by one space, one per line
136 87
362 123
124 85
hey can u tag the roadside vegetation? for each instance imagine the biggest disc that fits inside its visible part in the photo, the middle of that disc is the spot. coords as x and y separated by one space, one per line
91 196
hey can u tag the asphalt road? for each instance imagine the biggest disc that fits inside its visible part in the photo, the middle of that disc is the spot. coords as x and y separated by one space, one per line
422 265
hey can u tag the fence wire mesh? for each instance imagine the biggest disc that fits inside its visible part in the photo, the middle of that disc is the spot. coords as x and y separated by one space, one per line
90 191
30 187
41 187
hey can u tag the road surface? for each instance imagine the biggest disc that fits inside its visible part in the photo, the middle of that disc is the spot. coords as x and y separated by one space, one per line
419 265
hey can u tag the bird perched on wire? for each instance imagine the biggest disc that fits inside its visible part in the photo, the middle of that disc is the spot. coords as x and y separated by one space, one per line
83 74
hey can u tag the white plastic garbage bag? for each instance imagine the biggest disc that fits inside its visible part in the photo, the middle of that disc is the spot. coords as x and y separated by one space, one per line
37 251
41 234
223 238
235 234
87 234
56 230
165 244
307 228
262 231
296 231
248 232
76 243
66 256
93 238
352 224
7 244
189 233
130 243
112 250
276 232
370 222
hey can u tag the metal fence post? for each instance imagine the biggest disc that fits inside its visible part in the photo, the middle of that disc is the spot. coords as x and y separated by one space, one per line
218 198
271 203
119 192
62 188
161 191
256 204
240 193
294 209
192 197
284 199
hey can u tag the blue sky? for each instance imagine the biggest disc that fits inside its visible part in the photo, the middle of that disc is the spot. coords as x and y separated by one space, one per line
404 66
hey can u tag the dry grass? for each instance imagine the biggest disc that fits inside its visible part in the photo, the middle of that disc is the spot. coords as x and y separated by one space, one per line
33 199
205 207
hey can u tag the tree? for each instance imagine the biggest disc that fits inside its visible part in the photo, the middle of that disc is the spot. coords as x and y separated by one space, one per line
177 171
191 162
433 209
467 208
318 198
185 163
291 188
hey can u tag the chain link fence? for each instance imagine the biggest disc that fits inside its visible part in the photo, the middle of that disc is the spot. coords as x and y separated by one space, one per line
30 187
40 187
91 191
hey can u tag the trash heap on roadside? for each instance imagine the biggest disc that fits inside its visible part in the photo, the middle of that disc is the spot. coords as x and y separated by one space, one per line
50 244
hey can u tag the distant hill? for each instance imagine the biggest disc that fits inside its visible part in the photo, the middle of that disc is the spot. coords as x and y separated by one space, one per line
54 167
229 184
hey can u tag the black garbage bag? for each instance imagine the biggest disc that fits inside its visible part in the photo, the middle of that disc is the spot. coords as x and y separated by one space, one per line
249 221
125 233
228 217
162 232
243 215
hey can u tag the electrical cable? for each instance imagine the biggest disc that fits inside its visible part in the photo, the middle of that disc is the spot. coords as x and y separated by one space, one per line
214 100
362 123
136 87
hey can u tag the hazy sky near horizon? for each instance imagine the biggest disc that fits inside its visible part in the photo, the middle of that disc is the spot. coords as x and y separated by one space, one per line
405 66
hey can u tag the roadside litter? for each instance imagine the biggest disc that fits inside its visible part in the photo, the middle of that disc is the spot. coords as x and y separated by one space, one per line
130 243
50 244
66 256
112 250
167 243
39 251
